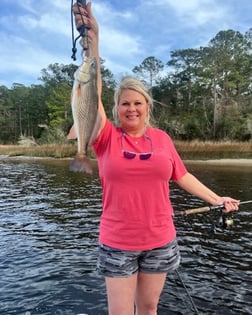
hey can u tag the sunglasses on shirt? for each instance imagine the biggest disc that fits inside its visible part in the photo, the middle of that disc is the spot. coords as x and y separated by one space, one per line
131 155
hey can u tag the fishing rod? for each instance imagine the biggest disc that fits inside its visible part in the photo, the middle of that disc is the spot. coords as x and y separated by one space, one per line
223 221
187 292
82 29
207 209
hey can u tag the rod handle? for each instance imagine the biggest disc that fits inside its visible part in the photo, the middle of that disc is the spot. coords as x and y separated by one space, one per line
207 209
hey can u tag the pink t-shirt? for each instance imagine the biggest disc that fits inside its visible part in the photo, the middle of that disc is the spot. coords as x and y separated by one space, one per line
137 213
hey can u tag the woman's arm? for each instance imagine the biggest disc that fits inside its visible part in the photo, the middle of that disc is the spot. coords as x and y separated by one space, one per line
193 186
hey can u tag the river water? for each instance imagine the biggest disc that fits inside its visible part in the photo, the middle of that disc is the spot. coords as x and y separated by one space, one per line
49 221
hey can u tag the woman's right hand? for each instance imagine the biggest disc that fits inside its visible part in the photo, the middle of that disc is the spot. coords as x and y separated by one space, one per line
86 16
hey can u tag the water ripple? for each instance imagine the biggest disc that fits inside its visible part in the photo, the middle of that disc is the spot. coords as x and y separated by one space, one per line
49 221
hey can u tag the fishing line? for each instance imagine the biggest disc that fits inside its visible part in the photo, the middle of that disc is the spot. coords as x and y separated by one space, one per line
81 29
74 40
188 293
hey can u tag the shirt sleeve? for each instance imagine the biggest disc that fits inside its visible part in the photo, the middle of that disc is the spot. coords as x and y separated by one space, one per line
179 169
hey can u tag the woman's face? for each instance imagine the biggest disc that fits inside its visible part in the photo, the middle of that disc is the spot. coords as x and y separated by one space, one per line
132 112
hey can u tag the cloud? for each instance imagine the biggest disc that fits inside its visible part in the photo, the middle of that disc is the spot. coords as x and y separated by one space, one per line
25 60
34 34
34 38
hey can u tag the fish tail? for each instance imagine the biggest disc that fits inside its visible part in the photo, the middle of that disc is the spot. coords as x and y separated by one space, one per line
81 163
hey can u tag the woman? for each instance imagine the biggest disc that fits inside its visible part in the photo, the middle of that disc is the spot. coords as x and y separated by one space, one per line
137 238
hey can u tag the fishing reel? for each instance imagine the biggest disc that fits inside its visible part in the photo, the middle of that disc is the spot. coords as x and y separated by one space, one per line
223 222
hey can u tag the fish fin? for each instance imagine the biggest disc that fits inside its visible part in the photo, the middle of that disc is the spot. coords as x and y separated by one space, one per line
72 134
96 130
81 164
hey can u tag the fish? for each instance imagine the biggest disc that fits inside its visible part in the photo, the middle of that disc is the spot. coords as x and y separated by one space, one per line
84 103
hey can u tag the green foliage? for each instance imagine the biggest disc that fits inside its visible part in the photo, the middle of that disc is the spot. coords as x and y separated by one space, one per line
8 116
59 106
53 136
205 93
108 88
148 70
58 73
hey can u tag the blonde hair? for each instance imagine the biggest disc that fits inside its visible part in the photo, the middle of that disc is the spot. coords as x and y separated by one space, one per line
131 83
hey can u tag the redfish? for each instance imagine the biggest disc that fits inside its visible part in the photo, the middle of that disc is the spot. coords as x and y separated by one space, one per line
84 104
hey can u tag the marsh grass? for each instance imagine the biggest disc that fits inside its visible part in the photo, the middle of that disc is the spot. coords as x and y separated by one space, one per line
188 150
50 150
214 150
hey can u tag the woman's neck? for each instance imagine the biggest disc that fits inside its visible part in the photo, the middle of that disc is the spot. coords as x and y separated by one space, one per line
134 132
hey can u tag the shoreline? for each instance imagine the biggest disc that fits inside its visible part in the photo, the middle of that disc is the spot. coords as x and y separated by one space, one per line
222 162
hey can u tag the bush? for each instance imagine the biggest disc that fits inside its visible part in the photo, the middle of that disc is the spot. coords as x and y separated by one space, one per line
53 136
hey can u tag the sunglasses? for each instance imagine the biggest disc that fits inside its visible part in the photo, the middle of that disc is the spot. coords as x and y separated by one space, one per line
131 155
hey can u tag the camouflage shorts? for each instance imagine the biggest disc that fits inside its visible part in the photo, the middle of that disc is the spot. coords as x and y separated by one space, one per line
114 262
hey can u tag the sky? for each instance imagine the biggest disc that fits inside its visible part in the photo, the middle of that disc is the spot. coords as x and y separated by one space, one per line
35 34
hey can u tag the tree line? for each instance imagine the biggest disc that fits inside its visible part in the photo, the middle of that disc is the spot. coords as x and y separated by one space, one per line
200 93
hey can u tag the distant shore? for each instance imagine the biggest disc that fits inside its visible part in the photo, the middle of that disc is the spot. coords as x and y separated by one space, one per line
224 162
242 162
194 152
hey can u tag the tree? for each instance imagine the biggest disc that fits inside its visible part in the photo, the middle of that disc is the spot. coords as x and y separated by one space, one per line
57 73
108 87
225 64
38 111
185 62
8 116
215 79
149 69
232 61
206 94
59 107
19 98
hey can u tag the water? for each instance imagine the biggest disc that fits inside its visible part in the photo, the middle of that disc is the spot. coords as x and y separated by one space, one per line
48 238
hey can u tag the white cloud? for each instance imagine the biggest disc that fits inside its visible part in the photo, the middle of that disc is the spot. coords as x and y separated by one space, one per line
49 22
23 60
119 44
37 33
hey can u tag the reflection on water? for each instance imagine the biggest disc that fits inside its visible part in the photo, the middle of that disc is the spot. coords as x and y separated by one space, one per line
49 221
